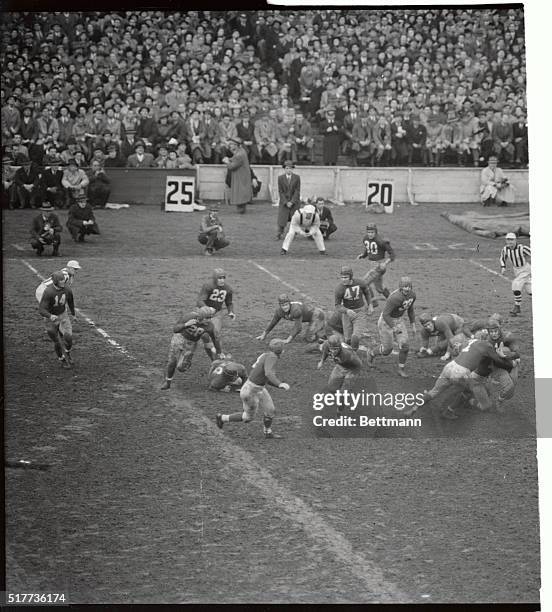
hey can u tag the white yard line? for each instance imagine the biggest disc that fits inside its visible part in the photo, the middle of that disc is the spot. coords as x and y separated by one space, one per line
369 575
280 280
476 263
86 318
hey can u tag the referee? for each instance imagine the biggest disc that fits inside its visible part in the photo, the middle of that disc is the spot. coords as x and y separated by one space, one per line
518 255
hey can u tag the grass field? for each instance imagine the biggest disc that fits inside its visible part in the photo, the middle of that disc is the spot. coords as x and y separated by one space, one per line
147 501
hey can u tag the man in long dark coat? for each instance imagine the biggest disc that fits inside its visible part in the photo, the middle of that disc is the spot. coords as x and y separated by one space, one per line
241 190
289 191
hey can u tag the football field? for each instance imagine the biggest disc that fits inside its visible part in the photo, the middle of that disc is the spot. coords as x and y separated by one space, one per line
146 501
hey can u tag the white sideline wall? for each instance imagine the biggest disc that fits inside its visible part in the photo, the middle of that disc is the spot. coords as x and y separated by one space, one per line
350 184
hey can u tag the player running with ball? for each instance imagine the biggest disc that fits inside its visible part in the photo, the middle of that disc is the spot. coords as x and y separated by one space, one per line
254 393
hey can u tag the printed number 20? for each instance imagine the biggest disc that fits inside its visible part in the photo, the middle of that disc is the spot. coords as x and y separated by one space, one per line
186 190
385 192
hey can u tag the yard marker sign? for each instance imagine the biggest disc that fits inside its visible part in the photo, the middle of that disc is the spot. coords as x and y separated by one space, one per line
180 192
380 192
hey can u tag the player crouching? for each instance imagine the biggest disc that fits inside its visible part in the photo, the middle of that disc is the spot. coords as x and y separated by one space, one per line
211 232
226 375
348 365
254 393
305 222
443 328
188 331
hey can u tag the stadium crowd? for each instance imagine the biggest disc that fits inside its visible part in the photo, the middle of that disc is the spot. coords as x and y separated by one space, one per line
171 89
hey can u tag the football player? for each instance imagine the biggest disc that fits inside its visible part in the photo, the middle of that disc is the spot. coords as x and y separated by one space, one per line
254 393
391 324
214 294
191 328
443 328
69 271
348 365
226 375
55 299
506 345
299 313
519 256
355 301
375 248
473 355
305 222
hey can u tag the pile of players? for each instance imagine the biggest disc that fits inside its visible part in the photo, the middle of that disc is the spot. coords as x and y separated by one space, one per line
484 358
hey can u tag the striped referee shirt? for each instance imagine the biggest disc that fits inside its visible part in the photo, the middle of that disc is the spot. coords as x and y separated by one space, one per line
517 255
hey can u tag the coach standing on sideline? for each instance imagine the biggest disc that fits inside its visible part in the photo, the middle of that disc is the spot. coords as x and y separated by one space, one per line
241 190
289 191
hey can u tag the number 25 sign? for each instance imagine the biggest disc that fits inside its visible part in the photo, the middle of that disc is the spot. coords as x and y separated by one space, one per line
179 193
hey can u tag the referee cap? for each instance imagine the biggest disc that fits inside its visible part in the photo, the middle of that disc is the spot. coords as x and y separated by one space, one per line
511 236
73 263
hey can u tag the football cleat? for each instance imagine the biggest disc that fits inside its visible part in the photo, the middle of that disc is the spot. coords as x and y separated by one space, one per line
64 363
402 373
219 421
166 385
515 310
68 358
448 413
283 252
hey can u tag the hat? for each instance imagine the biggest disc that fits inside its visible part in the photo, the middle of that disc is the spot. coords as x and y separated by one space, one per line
510 236
112 147
73 264
46 206
236 140
288 164
71 162
139 144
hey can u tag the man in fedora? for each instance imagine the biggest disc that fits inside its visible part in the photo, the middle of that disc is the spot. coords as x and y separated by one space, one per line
140 159
46 230
289 191
241 189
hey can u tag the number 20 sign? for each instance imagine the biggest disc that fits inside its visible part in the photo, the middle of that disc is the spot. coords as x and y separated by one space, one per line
179 193
380 192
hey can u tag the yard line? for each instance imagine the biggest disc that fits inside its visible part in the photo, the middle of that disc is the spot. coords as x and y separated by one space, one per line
476 263
84 316
313 524
285 283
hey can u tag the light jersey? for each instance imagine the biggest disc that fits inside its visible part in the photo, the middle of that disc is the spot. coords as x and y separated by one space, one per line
214 296
262 371
351 296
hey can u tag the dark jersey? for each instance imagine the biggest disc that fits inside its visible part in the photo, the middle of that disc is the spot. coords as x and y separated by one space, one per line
375 248
224 372
397 304
335 322
480 355
54 301
192 328
214 296
298 312
262 371
445 327
353 296
346 358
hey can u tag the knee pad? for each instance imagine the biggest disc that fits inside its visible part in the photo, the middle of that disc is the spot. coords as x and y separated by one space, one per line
385 350
405 347
184 363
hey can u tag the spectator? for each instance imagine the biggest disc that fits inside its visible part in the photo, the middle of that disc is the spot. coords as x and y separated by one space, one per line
332 136
495 187
75 182
416 138
399 143
241 192
8 183
521 143
503 135
140 159
362 147
50 185
266 137
381 134
113 159
27 182
46 231
99 185
245 131
302 148
81 221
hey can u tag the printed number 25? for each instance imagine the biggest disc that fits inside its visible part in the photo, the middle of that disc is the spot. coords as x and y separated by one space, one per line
186 190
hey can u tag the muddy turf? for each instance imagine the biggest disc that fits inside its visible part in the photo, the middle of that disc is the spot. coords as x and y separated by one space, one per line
145 500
